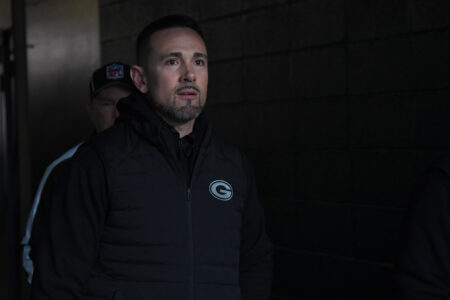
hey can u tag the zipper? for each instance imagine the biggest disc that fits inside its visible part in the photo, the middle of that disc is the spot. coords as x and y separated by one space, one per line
190 245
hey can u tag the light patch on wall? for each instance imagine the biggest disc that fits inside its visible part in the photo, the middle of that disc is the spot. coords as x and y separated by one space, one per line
5 14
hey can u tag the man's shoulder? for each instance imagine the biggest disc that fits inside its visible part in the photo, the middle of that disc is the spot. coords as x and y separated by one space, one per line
432 192
437 177
65 156
443 165
113 142
61 162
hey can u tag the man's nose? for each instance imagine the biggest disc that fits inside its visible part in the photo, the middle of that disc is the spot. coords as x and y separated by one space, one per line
116 112
188 74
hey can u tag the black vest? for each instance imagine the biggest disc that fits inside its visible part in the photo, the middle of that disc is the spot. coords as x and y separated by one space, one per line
164 238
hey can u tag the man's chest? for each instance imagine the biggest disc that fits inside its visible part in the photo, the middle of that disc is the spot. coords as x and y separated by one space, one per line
149 194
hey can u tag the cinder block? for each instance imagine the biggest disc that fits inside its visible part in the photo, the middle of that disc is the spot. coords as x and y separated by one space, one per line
291 269
225 82
385 177
309 276
317 22
224 38
267 78
417 120
432 120
213 9
324 175
119 50
431 60
432 157
377 233
269 125
324 228
384 65
376 18
275 173
105 2
320 123
379 121
281 220
229 121
430 14
319 72
191 8
398 64
266 31
299 275
129 18
123 19
254 4
369 281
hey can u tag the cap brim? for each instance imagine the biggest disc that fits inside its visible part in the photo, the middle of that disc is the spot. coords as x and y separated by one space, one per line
110 84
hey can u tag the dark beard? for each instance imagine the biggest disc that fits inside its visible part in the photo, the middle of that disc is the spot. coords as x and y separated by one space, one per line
178 115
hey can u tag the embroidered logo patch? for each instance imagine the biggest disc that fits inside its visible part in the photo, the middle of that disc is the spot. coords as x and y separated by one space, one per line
221 190
114 71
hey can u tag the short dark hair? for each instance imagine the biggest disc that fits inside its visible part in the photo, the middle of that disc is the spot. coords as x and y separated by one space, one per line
171 21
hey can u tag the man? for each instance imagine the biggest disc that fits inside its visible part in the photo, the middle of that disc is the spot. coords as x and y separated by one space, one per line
107 85
158 207
423 268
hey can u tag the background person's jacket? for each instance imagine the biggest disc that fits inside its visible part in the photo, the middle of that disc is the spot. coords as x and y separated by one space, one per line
27 263
423 268
129 225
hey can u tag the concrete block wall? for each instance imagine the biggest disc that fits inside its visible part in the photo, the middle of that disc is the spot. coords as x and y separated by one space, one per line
339 104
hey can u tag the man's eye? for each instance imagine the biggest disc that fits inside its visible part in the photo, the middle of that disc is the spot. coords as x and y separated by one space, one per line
200 62
172 62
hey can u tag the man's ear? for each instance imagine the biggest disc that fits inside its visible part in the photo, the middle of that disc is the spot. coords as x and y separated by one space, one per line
139 79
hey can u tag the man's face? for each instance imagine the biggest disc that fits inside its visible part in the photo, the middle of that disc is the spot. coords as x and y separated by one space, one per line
102 109
177 74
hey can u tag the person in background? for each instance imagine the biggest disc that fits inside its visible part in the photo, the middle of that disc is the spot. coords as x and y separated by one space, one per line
107 86
423 267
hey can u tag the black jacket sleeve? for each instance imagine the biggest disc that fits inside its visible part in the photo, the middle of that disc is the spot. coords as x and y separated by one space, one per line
256 249
55 181
69 237
423 269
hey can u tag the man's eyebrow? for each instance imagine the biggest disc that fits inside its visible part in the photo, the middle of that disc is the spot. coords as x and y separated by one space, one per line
103 98
171 54
179 54
200 55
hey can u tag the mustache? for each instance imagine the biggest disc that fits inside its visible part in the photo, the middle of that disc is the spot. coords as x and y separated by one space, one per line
184 87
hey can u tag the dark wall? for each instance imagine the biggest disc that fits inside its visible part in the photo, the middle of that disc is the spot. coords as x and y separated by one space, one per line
340 105
5 23
63 50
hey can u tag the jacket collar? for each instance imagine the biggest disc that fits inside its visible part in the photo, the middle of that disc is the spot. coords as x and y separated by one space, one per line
138 112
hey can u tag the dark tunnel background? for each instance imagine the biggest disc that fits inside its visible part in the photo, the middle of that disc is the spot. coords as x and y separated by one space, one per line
340 105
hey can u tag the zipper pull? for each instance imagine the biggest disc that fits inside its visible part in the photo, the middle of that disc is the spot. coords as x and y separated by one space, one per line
189 194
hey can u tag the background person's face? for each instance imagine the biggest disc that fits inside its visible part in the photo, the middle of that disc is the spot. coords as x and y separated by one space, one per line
102 109
177 74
